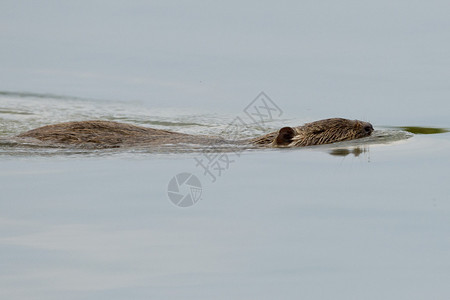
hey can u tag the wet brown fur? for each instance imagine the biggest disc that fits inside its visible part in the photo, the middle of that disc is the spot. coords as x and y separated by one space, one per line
316 133
108 134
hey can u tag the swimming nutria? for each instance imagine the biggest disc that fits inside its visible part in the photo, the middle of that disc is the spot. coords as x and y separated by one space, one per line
108 134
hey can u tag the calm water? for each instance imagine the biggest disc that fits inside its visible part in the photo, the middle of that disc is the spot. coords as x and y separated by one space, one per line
367 219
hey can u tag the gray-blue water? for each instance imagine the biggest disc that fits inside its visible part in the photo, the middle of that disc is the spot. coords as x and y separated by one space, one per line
362 220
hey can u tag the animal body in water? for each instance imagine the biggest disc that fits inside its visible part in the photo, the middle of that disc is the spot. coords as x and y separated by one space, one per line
108 134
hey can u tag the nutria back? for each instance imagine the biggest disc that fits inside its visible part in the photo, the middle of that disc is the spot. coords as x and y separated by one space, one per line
108 134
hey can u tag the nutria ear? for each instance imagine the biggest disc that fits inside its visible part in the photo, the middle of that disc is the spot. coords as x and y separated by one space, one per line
285 136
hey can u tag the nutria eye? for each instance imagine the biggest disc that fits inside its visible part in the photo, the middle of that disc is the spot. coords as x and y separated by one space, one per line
368 128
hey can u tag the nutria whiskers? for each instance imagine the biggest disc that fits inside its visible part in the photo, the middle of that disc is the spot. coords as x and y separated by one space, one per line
108 134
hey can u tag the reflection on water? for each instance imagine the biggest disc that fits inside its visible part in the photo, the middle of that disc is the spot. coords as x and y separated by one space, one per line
346 151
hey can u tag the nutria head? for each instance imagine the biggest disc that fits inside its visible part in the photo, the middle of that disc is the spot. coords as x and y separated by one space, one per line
322 132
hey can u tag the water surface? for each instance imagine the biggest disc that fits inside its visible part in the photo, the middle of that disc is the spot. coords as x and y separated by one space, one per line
367 219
